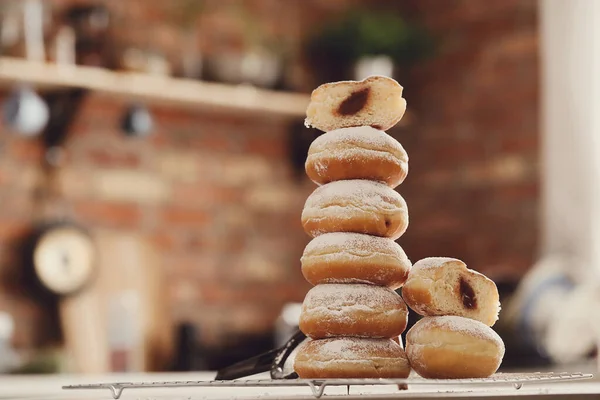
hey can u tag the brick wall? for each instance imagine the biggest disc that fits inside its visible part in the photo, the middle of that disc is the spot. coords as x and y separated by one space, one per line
217 196
473 185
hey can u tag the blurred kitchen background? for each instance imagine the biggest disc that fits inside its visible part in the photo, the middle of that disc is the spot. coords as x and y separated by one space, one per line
151 165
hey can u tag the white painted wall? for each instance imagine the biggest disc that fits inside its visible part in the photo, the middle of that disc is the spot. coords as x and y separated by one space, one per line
570 110
557 306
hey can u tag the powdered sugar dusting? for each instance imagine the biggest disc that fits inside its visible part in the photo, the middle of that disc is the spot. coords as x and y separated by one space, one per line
355 244
437 262
334 297
362 137
351 280
356 192
433 262
341 304
344 312
460 324
355 348
354 155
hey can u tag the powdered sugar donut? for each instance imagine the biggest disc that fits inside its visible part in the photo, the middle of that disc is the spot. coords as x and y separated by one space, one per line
376 101
358 206
445 286
355 258
349 358
357 153
352 310
451 347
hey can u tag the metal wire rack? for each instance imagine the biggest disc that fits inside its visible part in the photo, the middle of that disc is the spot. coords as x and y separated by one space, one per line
517 380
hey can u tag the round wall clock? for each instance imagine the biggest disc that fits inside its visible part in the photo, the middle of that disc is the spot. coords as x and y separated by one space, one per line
64 259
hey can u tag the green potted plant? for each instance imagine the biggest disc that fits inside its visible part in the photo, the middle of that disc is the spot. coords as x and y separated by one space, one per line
364 43
256 59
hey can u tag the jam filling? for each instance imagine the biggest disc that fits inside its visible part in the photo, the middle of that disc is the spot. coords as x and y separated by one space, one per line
354 103
467 294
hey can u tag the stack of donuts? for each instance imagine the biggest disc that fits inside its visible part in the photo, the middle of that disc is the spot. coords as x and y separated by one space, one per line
454 339
353 316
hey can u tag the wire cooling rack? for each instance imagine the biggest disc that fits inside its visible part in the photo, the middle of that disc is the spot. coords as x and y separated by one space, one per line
517 380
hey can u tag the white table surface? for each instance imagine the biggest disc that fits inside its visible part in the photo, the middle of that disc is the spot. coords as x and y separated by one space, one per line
50 388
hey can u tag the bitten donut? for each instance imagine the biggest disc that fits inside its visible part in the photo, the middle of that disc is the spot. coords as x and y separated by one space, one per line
352 310
343 257
349 358
357 153
355 206
451 347
445 286
376 101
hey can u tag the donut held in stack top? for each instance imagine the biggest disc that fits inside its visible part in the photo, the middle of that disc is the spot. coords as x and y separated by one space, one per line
358 206
357 153
348 358
451 347
376 101
355 258
352 310
445 286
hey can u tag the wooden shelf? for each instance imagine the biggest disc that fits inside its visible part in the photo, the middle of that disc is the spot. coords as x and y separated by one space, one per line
153 89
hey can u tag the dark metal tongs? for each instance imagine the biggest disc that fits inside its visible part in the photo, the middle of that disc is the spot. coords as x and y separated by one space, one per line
276 361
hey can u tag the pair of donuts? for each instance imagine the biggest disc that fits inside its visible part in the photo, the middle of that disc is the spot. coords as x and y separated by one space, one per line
358 169
362 321
352 316
355 333
459 305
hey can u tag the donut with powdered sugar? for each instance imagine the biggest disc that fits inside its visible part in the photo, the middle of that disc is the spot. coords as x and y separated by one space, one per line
451 347
342 257
358 206
348 358
359 310
357 153
445 286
